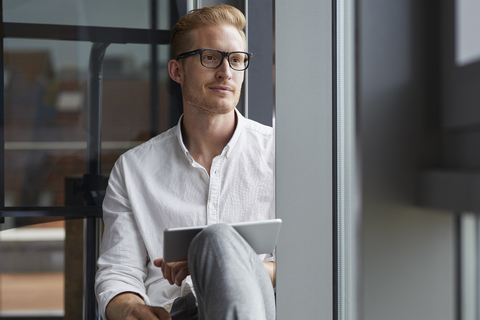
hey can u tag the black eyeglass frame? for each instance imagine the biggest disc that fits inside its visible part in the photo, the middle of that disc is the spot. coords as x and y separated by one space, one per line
224 54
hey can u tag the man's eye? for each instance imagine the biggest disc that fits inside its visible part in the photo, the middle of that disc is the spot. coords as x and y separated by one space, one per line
237 59
209 58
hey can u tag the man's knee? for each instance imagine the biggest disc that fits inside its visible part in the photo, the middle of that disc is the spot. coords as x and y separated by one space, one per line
216 233
217 237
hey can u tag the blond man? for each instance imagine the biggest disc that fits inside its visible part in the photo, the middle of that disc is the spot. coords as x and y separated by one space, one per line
215 167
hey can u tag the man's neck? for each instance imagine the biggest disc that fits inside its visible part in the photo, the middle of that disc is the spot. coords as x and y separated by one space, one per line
206 135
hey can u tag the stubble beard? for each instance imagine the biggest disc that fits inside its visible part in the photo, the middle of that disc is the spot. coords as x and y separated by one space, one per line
203 105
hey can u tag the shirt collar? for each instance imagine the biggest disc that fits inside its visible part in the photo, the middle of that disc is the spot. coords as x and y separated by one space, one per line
238 131
228 148
178 133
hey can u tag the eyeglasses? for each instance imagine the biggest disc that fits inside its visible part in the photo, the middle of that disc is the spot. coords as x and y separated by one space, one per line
211 58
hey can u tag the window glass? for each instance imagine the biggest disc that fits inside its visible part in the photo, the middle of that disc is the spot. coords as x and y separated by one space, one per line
32 270
105 13
45 125
46 103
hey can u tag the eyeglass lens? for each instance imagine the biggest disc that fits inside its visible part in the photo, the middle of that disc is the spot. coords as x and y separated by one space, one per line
212 59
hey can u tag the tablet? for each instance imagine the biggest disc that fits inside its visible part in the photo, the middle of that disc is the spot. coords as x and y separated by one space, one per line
260 235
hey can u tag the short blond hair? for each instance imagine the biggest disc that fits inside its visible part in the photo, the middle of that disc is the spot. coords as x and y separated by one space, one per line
208 16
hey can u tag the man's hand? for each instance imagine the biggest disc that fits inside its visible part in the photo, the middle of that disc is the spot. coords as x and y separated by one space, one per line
174 272
129 306
143 312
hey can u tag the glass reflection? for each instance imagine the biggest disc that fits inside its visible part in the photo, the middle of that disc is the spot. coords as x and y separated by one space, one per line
45 126
45 116
31 270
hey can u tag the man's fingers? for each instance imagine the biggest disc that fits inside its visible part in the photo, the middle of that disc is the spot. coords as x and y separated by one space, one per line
167 273
174 272
158 262
181 275
162 314
143 312
179 272
166 269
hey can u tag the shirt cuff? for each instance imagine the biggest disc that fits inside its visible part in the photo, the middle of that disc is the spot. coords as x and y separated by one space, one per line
105 297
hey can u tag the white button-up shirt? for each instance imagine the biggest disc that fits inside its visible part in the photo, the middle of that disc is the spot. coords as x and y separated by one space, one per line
158 185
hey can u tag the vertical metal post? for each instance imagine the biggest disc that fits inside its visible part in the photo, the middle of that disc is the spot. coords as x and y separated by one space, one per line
93 179
348 193
154 130
95 107
2 122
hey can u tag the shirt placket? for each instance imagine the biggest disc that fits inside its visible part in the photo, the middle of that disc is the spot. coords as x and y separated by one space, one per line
213 214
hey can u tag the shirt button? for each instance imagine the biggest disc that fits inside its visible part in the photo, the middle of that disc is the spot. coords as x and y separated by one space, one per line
203 175
212 207
168 307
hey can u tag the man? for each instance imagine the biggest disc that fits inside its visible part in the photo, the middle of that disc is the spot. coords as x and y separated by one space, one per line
214 167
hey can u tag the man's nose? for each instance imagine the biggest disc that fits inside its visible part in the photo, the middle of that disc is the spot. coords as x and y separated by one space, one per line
224 70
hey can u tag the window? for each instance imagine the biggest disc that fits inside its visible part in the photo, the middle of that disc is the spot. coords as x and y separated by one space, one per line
84 81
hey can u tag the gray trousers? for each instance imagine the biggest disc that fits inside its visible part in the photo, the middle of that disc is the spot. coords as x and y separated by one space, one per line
229 279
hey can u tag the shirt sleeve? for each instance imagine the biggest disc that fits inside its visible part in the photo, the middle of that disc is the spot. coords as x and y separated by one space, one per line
122 265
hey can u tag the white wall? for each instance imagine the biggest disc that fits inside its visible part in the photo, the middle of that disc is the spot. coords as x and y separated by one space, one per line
303 126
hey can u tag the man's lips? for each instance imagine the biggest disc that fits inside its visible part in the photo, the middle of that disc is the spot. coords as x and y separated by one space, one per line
221 89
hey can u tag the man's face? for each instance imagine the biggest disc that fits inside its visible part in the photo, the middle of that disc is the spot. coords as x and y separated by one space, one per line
213 91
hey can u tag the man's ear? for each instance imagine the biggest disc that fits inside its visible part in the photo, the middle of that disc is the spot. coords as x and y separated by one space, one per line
175 70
